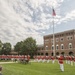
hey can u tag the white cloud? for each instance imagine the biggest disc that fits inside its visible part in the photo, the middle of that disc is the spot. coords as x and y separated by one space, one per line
20 19
68 17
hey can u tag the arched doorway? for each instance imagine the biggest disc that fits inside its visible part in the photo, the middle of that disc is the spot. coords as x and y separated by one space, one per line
62 53
70 53
42 54
38 53
52 54
57 53
46 54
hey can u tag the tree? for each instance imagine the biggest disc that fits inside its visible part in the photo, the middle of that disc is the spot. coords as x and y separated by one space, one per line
6 49
18 47
29 46
26 47
0 46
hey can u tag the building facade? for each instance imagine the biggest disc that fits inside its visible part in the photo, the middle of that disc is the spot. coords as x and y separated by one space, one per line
64 44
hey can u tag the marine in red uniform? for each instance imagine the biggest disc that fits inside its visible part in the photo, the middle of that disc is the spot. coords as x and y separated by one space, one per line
44 58
61 62
71 60
74 60
53 59
48 59
66 59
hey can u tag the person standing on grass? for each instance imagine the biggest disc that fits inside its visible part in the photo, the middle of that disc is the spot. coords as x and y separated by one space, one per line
66 59
74 60
61 63
71 60
0 70
53 59
44 59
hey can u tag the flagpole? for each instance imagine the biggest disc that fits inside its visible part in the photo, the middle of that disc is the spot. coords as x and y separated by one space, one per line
53 39
53 14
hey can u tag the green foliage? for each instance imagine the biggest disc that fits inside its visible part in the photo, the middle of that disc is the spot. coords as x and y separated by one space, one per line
18 47
6 48
0 46
28 46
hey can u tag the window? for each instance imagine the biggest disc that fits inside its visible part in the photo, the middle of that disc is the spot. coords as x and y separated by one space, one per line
69 38
46 48
42 48
70 45
61 39
62 46
51 40
57 47
46 40
57 39
52 47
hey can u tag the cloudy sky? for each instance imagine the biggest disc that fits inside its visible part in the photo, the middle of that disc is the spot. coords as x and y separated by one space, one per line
20 19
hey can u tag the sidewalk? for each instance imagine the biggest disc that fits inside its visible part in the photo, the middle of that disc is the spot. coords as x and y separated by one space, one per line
6 62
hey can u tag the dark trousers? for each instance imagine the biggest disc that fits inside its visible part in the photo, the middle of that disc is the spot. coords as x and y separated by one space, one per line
0 74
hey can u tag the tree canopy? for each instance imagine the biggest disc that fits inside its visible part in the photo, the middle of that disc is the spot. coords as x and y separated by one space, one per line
6 48
26 47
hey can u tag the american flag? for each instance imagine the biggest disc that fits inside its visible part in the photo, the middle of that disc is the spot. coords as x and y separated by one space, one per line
53 12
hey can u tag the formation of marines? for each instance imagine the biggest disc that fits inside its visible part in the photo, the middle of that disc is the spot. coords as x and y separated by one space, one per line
68 59
15 58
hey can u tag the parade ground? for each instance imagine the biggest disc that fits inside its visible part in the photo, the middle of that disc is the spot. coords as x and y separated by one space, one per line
36 68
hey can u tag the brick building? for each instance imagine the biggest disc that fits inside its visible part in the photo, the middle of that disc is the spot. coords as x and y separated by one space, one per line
64 44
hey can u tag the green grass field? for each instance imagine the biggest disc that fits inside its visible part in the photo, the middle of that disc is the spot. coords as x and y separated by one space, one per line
37 69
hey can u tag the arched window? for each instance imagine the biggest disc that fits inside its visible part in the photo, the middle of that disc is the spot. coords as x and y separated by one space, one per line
62 46
52 47
70 45
46 48
57 47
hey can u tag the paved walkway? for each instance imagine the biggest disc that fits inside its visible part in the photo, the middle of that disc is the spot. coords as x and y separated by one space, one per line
6 62
12 62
